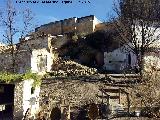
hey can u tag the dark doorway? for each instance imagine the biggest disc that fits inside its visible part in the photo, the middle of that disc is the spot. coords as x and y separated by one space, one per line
6 101
129 59
55 114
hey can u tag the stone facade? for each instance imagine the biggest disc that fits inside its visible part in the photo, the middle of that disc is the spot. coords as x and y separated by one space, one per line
71 93
18 100
85 24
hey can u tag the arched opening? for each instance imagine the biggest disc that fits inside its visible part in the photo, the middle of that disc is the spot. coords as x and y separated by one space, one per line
55 114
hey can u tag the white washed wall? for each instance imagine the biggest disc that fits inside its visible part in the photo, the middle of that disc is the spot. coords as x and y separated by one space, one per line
27 97
22 97
34 59
117 60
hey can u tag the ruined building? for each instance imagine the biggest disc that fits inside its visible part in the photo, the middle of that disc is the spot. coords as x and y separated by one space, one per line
35 51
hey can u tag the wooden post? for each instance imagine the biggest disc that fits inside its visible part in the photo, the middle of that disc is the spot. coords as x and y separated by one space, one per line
128 101
119 95
108 100
107 117
102 97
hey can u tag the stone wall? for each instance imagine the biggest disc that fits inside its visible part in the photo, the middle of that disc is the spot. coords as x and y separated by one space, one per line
35 42
18 101
21 58
85 26
73 93
54 27
80 25
69 25
24 53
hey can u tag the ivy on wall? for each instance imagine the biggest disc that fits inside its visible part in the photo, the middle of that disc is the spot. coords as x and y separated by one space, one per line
7 77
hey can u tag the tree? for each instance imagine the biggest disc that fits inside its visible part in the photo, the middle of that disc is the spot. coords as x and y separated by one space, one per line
12 25
147 94
137 23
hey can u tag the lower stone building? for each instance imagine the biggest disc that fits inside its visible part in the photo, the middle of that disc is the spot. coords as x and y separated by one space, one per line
73 98
17 98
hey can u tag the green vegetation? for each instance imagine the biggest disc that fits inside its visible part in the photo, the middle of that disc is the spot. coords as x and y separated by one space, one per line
8 77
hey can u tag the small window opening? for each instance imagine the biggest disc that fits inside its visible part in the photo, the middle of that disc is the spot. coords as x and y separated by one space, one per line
32 90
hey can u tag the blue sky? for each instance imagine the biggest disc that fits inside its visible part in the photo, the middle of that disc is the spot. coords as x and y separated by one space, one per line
49 12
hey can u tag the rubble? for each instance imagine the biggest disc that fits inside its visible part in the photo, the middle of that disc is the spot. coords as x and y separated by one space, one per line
65 68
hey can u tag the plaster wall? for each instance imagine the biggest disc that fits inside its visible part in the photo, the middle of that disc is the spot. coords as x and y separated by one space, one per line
23 99
30 100
48 60
118 60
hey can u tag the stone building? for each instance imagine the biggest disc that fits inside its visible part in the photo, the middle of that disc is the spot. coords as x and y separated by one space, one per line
119 59
74 95
25 97
16 98
123 59
29 53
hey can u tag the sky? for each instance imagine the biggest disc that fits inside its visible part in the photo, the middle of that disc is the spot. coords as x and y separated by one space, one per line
50 12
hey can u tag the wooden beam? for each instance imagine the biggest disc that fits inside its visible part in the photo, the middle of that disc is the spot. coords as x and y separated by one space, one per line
106 97
114 97
110 97
117 85
111 90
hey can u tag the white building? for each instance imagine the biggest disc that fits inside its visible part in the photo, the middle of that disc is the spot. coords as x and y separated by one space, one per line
119 59
123 57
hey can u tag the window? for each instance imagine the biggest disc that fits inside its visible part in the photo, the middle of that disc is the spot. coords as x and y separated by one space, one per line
32 90
41 62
